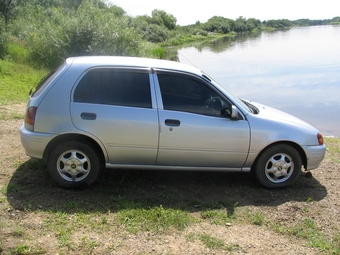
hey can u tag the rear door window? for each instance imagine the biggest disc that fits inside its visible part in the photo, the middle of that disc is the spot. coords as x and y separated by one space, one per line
115 87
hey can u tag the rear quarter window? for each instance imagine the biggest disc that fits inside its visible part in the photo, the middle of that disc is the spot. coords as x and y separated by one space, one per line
46 80
114 87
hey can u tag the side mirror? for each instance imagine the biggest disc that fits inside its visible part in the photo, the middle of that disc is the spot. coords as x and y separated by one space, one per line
234 113
230 113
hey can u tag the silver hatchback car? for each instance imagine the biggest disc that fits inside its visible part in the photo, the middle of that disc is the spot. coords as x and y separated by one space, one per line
138 113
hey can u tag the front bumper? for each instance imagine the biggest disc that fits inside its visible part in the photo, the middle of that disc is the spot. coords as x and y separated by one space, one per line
315 154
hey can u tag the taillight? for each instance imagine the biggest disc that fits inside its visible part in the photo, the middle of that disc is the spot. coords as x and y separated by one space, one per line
30 118
320 139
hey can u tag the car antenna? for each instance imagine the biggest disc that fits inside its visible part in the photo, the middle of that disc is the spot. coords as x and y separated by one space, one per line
187 59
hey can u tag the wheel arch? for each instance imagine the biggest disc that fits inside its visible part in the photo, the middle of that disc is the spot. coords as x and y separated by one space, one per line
75 137
294 145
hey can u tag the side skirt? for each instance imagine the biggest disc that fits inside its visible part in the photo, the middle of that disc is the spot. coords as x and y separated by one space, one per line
174 168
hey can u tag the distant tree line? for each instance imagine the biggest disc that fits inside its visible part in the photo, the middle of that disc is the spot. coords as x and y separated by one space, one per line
308 22
218 24
335 21
45 32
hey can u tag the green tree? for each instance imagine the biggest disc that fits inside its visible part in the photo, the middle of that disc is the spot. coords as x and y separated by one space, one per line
335 20
89 30
167 19
116 10
279 24
147 20
6 7
218 24
150 29
253 23
240 24
3 37
65 4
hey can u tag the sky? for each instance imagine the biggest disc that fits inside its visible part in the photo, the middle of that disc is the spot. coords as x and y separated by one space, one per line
187 12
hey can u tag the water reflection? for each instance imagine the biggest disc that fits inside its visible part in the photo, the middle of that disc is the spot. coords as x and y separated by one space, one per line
297 70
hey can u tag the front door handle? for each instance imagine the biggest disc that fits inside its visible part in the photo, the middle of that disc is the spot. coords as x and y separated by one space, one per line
172 123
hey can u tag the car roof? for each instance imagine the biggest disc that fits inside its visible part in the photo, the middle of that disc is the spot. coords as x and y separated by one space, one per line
92 61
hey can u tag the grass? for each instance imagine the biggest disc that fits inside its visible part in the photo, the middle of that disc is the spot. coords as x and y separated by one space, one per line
217 217
5 115
333 149
133 218
213 243
76 220
16 80
18 231
23 249
257 218
220 213
17 53
185 39
156 219
307 229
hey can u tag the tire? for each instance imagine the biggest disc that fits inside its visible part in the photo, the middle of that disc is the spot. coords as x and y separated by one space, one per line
73 164
278 166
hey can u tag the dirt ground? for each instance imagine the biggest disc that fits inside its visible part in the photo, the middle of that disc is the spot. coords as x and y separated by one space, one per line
28 196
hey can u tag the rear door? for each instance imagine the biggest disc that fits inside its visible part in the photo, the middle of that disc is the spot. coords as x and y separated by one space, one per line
115 105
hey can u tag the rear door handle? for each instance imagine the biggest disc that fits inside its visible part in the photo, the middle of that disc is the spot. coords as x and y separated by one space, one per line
172 123
88 116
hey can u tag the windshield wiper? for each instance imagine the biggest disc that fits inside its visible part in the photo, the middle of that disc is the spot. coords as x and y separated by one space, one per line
252 108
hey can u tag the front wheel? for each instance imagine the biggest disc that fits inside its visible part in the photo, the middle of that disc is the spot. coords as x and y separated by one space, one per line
278 166
73 164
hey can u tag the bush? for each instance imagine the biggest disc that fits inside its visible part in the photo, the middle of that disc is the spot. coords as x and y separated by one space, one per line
16 52
3 37
89 30
154 33
218 25
200 32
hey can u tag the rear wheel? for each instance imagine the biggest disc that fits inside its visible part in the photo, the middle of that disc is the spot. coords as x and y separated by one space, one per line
278 166
73 164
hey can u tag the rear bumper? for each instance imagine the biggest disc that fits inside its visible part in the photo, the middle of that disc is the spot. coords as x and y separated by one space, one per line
315 154
34 143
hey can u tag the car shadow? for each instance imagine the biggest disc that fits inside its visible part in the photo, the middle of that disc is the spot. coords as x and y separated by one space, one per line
30 188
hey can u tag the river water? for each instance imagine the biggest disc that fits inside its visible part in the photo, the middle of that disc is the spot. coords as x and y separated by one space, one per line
296 70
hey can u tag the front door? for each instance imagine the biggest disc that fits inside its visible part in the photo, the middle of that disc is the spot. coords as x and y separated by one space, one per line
193 131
